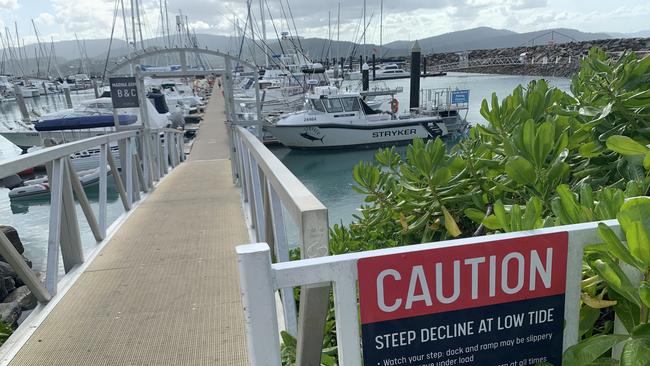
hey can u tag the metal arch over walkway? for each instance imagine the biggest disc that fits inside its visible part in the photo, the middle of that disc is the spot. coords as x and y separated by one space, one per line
164 290
136 57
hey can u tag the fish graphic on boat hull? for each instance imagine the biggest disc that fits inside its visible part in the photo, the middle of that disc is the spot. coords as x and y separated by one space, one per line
312 138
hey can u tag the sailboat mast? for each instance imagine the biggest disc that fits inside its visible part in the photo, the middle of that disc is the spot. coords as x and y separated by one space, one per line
133 24
162 20
169 37
329 34
250 21
137 12
381 26
364 32
266 59
338 34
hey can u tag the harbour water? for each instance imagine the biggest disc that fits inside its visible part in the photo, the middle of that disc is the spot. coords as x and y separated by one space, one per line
328 174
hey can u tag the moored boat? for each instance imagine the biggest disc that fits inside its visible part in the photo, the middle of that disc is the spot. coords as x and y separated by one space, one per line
346 121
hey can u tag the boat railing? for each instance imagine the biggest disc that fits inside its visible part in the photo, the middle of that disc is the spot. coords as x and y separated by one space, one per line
261 278
270 191
145 157
444 99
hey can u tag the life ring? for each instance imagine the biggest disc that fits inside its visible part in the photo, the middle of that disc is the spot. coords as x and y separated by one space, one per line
394 105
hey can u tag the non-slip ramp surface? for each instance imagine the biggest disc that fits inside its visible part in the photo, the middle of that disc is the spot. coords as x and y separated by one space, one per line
165 290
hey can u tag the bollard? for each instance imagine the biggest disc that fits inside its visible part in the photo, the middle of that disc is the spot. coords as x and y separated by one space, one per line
21 103
365 77
415 75
66 92
373 66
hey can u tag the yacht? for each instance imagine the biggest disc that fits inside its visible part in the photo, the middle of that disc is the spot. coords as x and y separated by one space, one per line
390 71
344 120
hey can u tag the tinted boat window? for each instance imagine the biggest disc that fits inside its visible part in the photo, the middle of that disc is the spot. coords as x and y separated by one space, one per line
318 105
333 105
350 104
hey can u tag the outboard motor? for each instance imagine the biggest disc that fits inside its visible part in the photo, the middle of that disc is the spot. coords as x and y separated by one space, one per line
158 100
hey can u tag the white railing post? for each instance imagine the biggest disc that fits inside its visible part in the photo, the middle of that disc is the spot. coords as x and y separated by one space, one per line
258 298
128 166
70 239
166 151
282 255
314 299
347 319
258 202
54 235
103 187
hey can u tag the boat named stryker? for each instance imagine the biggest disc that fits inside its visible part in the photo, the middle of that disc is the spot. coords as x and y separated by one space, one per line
345 121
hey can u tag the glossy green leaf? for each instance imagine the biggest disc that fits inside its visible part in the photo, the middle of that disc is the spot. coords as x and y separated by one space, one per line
521 171
591 149
616 247
634 218
588 317
644 293
614 276
587 351
625 146
636 352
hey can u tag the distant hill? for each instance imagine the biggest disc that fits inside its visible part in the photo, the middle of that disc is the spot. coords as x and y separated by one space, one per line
317 48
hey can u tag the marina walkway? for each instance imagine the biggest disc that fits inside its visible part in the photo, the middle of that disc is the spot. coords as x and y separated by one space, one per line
165 289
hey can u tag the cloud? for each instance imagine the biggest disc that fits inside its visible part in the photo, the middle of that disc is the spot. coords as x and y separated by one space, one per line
8 4
46 19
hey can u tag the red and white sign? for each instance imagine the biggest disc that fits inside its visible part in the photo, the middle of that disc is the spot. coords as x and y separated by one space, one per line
461 277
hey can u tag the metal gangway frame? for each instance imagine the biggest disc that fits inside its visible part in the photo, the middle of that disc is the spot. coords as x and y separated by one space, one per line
142 169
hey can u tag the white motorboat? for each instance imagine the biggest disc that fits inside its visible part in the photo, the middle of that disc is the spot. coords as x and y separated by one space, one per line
346 121
90 118
390 71
40 187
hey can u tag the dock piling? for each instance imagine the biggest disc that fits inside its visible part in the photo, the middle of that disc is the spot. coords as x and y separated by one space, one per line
416 54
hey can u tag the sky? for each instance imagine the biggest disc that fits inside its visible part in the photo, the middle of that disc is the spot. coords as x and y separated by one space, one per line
402 19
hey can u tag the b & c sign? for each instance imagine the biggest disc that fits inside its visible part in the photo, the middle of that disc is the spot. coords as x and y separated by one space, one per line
490 304
124 92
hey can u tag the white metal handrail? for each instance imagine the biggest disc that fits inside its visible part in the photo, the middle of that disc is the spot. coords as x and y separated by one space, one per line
260 278
143 164
267 187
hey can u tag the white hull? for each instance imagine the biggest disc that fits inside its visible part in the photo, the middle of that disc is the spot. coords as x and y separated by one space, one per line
27 139
22 139
349 136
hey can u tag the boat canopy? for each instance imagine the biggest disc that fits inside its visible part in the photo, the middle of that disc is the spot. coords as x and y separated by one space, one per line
84 122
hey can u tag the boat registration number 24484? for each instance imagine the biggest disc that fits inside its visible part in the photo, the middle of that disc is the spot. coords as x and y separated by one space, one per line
390 133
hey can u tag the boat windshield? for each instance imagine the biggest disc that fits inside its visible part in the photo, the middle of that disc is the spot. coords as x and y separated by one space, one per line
350 104
333 105
318 105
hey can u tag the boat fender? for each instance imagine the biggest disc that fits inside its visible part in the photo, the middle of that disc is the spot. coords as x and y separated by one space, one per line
394 105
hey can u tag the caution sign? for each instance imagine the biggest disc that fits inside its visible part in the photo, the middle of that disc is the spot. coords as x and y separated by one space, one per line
498 303
124 92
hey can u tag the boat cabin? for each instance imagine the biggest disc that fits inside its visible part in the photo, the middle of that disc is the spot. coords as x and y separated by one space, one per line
338 103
